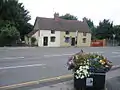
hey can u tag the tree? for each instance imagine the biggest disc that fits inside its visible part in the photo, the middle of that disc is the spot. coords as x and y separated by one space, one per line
15 12
91 26
104 30
68 17
116 31
8 34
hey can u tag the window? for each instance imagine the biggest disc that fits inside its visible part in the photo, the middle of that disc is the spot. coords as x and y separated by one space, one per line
52 39
67 32
84 34
67 39
84 40
52 31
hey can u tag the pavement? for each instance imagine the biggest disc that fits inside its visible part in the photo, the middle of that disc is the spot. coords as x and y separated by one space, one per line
20 66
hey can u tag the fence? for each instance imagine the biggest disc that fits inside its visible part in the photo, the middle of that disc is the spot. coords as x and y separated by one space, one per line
104 42
98 43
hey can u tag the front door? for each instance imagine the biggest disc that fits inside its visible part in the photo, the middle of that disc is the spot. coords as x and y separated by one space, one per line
45 41
72 41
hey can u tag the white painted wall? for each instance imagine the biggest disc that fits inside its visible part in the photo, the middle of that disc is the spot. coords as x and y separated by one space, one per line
48 34
36 35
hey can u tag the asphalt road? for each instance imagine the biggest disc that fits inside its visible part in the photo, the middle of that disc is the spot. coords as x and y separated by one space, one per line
18 65
113 80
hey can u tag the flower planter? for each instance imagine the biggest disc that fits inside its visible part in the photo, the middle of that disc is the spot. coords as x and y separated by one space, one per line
96 81
89 70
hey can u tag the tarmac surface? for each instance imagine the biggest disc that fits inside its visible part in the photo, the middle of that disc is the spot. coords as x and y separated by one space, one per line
20 65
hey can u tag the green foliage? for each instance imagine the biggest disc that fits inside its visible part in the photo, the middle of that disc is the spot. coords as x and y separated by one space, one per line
33 40
15 12
8 34
116 31
68 17
104 30
92 27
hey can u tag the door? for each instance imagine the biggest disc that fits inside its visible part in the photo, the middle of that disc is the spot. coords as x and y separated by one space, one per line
72 41
45 41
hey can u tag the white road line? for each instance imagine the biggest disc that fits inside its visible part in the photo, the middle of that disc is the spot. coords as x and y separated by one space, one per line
67 54
57 55
95 52
52 55
116 56
14 67
13 58
116 52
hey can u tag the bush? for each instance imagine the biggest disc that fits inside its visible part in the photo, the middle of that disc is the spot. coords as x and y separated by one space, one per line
33 40
8 34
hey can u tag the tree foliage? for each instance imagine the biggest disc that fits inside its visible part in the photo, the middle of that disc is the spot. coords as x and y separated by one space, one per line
8 33
68 17
116 31
104 30
15 12
91 26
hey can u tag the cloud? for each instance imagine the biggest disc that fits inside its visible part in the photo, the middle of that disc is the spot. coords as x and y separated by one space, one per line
95 9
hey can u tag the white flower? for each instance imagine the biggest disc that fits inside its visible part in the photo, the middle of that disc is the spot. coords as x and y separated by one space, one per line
77 77
77 71
87 67
82 77
88 75
81 68
76 56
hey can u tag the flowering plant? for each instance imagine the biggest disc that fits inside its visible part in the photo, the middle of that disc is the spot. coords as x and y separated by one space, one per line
84 64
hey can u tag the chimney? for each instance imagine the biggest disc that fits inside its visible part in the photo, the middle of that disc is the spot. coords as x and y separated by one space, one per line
56 16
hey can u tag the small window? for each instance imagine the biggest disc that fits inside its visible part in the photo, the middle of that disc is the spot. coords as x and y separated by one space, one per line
67 32
52 31
84 40
52 39
67 39
84 34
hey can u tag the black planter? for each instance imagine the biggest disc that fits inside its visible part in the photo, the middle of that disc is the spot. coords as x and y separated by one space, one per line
95 82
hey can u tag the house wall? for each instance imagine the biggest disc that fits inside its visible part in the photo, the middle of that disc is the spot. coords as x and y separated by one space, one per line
47 33
26 39
36 35
62 38
79 39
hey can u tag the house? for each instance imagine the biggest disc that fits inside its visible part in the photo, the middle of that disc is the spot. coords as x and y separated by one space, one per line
57 32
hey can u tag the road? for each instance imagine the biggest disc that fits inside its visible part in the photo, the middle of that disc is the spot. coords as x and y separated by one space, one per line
113 80
18 65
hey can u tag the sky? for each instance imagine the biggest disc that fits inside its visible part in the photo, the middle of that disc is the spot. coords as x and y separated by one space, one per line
96 10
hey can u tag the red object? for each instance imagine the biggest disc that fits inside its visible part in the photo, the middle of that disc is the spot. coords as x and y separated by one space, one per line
97 43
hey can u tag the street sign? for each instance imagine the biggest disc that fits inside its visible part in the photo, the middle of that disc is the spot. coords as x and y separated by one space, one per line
89 81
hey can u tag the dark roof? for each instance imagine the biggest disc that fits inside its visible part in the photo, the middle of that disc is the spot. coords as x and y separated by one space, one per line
32 32
60 24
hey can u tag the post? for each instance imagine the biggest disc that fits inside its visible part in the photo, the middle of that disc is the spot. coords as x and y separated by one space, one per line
113 39
76 37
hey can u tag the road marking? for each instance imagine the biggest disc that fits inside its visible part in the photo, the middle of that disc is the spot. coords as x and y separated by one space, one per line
115 56
67 54
57 55
36 82
53 55
14 67
116 52
13 58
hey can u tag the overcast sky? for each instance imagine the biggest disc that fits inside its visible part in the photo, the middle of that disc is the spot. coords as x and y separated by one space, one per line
96 10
